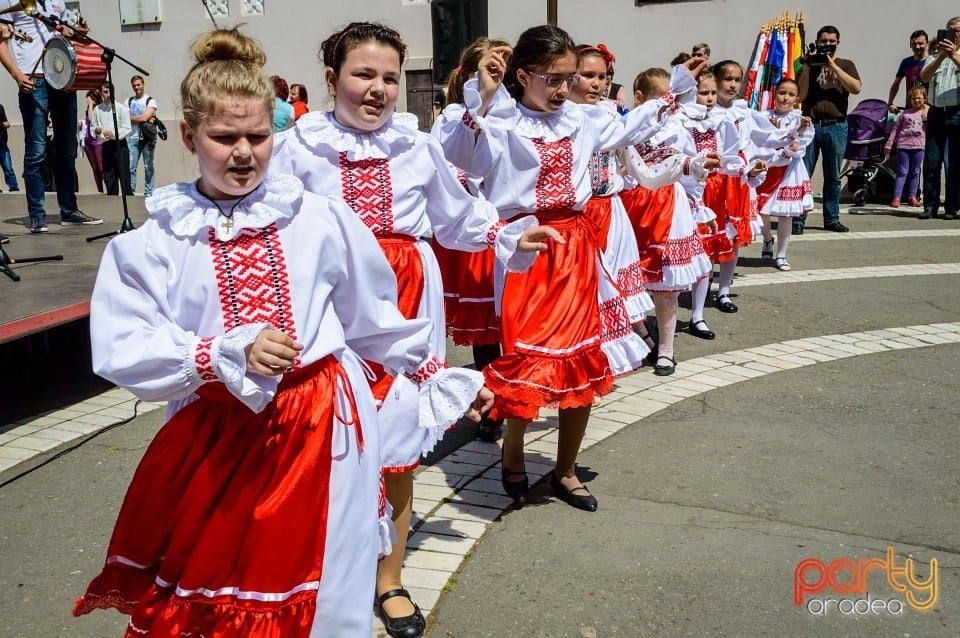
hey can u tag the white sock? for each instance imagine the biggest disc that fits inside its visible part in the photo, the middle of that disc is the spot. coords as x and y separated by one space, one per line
727 269
698 299
783 236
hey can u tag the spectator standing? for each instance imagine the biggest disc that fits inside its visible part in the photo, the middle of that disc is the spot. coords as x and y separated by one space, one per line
298 99
909 69
282 110
825 90
38 100
92 147
942 73
116 155
9 175
910 139
701 50
143 110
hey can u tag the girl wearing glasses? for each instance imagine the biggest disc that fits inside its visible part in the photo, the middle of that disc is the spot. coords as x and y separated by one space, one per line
564 323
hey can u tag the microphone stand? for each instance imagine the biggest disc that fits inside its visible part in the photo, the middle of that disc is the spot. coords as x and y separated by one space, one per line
107 56
6 260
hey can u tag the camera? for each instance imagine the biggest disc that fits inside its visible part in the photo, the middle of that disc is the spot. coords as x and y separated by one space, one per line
817 53
946 35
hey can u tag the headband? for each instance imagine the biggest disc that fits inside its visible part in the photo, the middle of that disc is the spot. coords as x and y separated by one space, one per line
602 49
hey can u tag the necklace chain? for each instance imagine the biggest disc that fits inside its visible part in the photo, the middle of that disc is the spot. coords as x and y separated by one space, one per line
227 224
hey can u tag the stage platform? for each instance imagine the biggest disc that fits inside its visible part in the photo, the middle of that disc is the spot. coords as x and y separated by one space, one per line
54 293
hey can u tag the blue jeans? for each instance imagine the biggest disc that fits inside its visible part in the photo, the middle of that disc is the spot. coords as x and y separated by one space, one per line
829 140
9 175
943 147
61 106
138 150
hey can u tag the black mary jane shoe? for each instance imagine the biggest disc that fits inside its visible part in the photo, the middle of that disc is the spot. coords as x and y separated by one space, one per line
587 503
701 333
725 305
517 490
411 626
665 370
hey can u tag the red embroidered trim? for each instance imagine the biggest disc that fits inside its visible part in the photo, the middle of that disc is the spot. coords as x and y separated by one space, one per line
252 280
630 280
706 140
462 178
614 320
686 165
681 251
794 193
493 231
554 189
203 359
427 370
367 189
468 121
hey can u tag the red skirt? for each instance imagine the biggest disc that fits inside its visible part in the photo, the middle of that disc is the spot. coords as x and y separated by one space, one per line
730 199
769 186
552 329
223 529
468 298
404 258
651 214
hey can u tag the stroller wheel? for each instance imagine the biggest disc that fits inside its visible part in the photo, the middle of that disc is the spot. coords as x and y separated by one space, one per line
860 197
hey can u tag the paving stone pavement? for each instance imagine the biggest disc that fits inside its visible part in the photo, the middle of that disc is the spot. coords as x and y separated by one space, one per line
901 308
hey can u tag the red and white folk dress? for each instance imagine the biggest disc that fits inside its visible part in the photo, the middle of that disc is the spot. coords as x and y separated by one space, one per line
397 181
565 326
467 277
255 510
787 192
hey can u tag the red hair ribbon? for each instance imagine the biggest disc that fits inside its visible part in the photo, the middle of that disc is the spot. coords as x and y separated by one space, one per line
602 49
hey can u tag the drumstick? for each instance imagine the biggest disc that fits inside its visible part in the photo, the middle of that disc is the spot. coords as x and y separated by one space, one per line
39 60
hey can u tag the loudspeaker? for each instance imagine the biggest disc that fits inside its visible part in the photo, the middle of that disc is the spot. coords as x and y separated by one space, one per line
455 23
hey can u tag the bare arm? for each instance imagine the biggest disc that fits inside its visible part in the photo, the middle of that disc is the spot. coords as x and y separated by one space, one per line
146 116
847 81
894 89
24 83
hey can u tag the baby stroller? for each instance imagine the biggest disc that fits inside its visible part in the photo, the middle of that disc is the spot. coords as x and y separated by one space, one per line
866 134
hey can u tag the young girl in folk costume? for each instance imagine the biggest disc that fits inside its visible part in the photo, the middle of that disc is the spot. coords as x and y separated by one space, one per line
396 179
786 192
468 277
564 323
605 208
757 137
712 132
247 304
670 248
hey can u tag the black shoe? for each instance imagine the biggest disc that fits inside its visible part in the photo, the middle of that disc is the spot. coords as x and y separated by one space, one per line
517 490
77 218
797 230
586 503
489 430
725 305
411 626
836 227
926 215
702 333
665 370
949 215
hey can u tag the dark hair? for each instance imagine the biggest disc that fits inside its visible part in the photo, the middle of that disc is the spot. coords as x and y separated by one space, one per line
918 33
787 81
682 57
302 91
828 29
469 62
600 51
701 46
537 47
334 49
722 65
140 77
280 87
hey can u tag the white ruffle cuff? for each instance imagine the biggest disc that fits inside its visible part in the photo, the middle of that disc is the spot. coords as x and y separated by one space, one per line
444 398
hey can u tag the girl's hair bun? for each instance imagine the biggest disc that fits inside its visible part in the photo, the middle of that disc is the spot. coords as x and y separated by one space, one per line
228 44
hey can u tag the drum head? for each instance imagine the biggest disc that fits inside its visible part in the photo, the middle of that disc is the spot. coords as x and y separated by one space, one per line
59 63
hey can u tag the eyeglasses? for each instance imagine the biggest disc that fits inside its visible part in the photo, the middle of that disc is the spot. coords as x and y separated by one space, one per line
553 81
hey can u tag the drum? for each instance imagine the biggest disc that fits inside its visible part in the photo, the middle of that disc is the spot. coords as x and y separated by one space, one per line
74 64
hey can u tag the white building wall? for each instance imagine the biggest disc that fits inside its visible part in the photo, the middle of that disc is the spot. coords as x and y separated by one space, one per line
874 34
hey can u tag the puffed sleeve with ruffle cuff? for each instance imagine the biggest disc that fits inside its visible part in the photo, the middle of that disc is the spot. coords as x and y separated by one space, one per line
457 133
137 344
366 303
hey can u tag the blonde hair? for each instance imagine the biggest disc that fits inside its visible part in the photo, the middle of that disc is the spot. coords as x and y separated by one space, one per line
922 90
227 63
646 81
469 63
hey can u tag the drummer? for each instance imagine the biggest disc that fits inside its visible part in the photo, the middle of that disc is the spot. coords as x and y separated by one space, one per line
22 42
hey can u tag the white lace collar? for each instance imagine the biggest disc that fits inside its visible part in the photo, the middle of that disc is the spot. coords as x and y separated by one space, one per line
701 120
397 134
187 212
550 126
